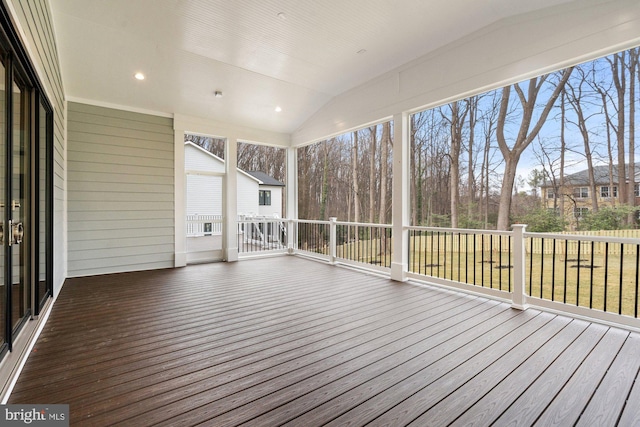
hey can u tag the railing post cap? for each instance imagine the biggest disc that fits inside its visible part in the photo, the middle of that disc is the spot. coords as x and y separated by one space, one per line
522 226
333 219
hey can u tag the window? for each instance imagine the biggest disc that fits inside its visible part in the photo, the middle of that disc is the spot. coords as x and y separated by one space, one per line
581 192
551 194
264 198
580 212
636 190
605 193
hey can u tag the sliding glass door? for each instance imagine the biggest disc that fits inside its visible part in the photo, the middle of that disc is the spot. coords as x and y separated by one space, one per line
25 195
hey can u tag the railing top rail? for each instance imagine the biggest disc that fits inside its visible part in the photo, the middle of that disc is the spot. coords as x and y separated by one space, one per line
260 221
308 221
460 230
363 224
583 237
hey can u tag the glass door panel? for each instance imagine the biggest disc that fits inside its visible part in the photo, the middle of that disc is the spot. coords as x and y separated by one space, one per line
20 289
4 294
42 287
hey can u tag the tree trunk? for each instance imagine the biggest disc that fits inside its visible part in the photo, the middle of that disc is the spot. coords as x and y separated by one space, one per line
558 192
325 183
354 177
473 106
619 81
631 196
372 172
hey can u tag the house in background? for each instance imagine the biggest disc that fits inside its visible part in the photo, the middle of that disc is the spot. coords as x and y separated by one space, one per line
259 195
578 194
269 195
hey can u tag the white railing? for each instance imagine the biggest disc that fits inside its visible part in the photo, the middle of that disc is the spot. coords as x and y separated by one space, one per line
204 225
591 276
595 277
261 234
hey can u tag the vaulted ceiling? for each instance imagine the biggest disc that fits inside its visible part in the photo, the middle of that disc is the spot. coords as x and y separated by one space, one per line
295 54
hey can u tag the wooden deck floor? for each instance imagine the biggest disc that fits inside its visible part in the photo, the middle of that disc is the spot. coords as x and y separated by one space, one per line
291 341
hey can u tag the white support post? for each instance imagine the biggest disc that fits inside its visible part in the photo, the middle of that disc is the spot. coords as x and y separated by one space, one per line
400 197
230 243
332 239
292 197
179 191
518 295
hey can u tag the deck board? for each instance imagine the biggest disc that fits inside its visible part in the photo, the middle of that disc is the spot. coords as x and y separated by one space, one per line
291 341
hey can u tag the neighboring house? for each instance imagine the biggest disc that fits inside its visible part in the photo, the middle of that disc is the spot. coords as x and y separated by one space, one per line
258 193
269 195
577 191
204 187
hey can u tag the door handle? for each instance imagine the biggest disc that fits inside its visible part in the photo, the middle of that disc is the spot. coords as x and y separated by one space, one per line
17 233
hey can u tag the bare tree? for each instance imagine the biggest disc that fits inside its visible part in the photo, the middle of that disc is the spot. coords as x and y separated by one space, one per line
354 175
631 196
618 73
373 142
577 99
458 111
525 134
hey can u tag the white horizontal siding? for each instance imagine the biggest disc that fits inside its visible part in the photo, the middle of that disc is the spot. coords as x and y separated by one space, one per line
196 159
120 184
204 195
247 195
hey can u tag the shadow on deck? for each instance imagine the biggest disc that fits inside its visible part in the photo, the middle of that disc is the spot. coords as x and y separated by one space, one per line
288 340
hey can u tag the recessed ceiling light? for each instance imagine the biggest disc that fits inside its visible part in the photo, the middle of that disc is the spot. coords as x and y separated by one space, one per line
278 109
139 76
218 94
281 15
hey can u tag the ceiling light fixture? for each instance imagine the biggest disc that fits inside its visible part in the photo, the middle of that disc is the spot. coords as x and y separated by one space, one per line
139 76
278 109
218 94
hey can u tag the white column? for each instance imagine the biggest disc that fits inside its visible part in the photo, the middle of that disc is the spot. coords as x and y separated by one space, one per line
400 197
179 191
230 242
292 196
519 259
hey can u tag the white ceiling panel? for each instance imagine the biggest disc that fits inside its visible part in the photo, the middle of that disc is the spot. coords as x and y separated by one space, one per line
260 53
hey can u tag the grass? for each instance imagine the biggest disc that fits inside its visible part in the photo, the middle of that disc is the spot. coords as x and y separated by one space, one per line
611 285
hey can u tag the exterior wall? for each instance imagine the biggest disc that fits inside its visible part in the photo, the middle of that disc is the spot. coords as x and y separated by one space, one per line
196 159
276 202
204 195
121 192
247 195
34 22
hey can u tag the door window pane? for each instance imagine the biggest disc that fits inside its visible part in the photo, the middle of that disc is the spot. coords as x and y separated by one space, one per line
20 289
3 220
